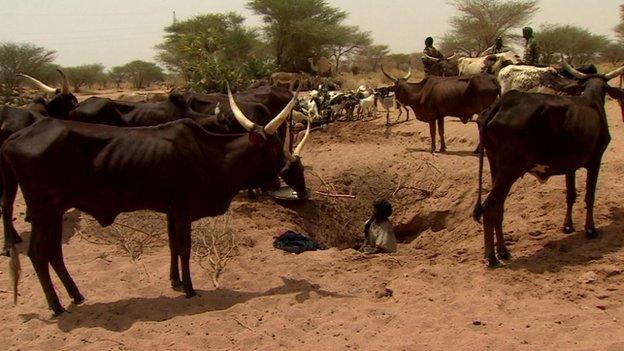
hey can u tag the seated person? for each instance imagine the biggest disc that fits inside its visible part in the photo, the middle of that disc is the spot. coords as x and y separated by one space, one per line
378 232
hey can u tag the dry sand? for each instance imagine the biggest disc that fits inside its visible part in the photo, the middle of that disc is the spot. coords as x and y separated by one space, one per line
557 292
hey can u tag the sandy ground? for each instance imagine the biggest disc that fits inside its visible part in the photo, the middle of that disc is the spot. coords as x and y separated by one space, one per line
557 292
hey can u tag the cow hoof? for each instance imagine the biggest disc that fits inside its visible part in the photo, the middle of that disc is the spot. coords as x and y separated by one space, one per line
442 149
568 229
493 262
78 300
591 233
190 293
504 254
56 311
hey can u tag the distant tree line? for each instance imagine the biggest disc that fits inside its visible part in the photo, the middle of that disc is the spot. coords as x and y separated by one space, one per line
208 50
39 62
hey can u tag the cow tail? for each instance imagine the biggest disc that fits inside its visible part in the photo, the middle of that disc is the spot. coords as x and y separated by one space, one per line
477 213
14 270
484 118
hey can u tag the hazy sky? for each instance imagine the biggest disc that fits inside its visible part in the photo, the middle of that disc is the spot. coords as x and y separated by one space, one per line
114 32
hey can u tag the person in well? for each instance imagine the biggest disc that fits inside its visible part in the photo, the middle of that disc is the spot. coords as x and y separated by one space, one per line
378 233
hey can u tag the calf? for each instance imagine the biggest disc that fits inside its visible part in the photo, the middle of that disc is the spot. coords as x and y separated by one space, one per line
544 135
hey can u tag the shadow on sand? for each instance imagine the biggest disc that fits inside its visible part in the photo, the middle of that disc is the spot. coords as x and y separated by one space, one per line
574 249
460 153
121 315
71 219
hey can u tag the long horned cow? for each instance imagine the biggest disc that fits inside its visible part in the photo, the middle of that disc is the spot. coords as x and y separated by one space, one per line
177 168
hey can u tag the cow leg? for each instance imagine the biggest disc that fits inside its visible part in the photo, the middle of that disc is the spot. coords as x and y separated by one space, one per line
39 252
590 192
493 209
432 134
183 239
8 198
441 132
174 272
568 226
387 117
56 258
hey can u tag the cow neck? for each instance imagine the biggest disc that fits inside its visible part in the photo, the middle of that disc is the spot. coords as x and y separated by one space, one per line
243 162
595 92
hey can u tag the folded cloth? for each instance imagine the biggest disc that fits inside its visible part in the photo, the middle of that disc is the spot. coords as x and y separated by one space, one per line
296 243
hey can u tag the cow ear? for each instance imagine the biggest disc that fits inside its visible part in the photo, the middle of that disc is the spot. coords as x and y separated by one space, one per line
572 89
256 138
615 93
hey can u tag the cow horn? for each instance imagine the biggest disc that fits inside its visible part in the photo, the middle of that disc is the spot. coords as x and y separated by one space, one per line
409 74
272 126
299 147
238 114
38 83
287 143
65 87
452 57
571 70
387 75
614 74
431 57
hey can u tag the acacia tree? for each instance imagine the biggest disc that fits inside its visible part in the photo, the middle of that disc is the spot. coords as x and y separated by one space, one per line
619 29
348 42
117 75
370 57
613 53
480 22
579 45
82 75
21 57
210 49
300 29
140 73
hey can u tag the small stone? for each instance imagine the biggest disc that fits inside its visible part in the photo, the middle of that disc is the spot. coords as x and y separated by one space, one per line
588 277
477 322
601 307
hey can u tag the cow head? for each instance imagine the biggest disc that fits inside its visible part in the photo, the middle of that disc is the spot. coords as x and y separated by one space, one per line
60 104
443 67
289 165
598 83
397 81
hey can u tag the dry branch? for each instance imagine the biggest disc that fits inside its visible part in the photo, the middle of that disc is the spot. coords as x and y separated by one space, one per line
335 195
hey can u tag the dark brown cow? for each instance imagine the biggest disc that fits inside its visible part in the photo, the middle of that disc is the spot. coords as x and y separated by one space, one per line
13 119
139 114
433 98
544 135
258 104
176 168
59 105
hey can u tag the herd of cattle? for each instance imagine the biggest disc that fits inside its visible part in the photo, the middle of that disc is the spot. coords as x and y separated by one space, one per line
189 155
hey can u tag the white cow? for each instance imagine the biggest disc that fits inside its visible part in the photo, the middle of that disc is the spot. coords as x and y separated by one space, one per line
527 78
476 65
